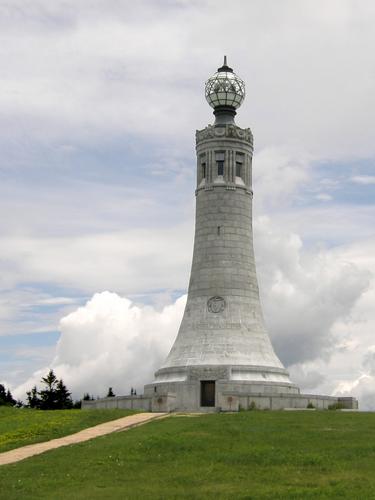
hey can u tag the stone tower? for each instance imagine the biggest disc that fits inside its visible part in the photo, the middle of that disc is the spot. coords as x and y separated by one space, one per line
222 350
222 358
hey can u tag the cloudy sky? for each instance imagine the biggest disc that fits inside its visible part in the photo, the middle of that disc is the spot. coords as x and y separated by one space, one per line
99 103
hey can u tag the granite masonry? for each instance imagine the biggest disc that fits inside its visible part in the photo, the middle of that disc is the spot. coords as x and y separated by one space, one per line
222 358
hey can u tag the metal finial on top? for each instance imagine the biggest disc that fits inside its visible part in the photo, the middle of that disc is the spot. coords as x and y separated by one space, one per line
225 67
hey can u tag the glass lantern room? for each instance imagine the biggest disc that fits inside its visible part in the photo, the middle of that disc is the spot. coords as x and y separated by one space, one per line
225 88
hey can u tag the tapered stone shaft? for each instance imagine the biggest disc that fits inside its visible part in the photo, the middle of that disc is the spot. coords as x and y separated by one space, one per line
222 339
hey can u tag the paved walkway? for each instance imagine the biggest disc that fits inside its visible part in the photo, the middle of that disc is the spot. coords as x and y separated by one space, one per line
121 424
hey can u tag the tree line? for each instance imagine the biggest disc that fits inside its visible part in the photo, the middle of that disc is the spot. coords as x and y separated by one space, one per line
6 398
53 396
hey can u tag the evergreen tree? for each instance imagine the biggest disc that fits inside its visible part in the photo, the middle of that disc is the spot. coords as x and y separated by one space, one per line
48 396
33 400
54 396
6 398
3 395
63 396
9 398
87 397
110 394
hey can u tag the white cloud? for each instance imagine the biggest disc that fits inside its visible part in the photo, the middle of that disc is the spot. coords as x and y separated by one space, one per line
363 388
56 301
306 378
352 368
277 175
349 368
28 310
323 197
80 71
140 260
304 293
363 179
111 342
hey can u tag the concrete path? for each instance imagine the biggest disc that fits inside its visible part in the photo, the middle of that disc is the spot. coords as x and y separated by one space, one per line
121 424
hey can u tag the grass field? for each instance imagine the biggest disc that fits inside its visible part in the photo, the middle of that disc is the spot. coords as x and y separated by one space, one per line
19 427
246 455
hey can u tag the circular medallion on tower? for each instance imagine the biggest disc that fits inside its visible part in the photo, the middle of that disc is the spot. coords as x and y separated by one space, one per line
225 88
216 304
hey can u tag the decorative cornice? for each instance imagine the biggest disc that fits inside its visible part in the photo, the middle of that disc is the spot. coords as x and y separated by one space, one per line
228 131
230 187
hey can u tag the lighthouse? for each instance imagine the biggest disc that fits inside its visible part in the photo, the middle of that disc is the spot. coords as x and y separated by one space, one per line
222 349
222 358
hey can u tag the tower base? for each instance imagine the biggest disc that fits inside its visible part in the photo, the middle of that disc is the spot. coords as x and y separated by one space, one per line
230 401
199 388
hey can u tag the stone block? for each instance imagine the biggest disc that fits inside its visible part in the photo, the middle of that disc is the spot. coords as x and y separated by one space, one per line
163 402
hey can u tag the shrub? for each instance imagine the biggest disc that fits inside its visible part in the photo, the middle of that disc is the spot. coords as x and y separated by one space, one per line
87 397
110 393
336 406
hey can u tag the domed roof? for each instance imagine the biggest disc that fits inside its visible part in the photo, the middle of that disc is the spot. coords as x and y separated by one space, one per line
225 88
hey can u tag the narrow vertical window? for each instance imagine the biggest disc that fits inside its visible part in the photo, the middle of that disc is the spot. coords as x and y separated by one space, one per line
220 167
220 156
238 169
240 157
203 165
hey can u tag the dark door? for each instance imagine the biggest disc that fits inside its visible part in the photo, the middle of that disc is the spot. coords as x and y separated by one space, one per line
207 393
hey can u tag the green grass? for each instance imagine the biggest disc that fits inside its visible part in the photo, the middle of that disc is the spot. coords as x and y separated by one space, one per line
19 427
249 455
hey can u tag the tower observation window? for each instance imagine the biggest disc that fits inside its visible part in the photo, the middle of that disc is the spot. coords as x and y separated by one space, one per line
202 160
239 163
219 156
203 170
238 169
